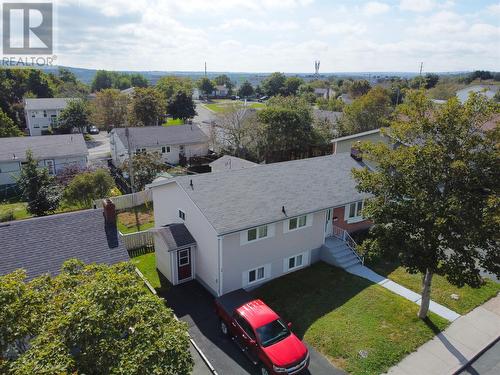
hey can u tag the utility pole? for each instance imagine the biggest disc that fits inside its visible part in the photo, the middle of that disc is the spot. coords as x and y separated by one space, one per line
131 177
421 67
205 69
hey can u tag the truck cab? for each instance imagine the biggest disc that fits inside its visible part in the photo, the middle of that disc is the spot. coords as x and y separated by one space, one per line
261 334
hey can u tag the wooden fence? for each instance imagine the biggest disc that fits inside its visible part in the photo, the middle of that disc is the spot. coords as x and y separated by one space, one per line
129 200
139 242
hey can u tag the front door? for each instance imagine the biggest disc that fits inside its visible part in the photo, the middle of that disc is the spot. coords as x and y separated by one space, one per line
329 223
184 271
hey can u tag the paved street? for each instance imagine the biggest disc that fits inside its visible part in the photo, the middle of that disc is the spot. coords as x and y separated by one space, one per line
99 147
487 364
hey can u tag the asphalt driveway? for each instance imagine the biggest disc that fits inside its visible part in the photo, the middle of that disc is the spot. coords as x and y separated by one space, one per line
193 304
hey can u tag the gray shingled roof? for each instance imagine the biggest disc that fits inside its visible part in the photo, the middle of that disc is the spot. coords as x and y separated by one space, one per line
41 245
228 162
46 103
239 199
145 136
331 116
175 236
43 147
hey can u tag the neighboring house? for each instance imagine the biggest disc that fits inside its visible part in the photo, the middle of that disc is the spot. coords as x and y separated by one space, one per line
54 152
238 228
129 92
331 116
346 98
345 144
228 162
221 91
41 245
172 142
323 92
43 114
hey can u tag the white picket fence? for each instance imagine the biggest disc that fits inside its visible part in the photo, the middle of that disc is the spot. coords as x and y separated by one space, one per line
128 200
138 240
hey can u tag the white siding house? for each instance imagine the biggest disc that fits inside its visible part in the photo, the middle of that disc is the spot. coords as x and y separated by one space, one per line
254 224
54 152
43 114
171 142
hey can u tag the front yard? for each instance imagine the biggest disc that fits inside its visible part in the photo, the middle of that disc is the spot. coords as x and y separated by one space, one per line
346 317
441 289
13 211
127 222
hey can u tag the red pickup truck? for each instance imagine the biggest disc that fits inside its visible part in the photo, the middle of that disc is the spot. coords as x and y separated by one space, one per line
261 334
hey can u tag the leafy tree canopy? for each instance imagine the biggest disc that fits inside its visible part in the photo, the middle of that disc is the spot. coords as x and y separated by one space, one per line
146 167
274 84
76 115
147 105
109 109
38 188
90 319
7 127
436 197
245 90
86 187
206 86
181 106
170 85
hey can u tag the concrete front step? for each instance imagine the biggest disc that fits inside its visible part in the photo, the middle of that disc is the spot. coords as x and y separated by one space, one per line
350 263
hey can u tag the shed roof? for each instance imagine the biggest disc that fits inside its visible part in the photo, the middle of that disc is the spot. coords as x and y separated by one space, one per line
175 236
144 136
41 245
43 147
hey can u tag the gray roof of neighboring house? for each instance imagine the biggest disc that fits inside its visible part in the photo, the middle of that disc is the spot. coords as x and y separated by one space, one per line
46 103
43 147
175 236
321 90
354 136
41 245
331 116
128 91
144 136
228 162
238 199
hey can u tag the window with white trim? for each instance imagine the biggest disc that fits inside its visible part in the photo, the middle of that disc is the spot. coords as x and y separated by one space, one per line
353 211
50 166
297 222
182 215
257 233
165 149
295 262
257 274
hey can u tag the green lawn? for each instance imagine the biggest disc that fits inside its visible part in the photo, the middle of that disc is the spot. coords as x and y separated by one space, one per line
13 211
147 265
441 289
172 122
222 105
340 315
127 223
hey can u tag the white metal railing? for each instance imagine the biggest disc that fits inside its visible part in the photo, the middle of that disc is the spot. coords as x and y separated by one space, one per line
137 240
343 235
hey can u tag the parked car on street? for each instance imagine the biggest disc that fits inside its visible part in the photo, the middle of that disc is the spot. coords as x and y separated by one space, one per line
93 129
261 334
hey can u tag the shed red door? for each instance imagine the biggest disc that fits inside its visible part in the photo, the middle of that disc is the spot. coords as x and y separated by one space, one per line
184 264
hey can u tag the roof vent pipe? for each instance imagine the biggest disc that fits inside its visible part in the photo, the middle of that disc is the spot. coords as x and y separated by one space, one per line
283 210
191 184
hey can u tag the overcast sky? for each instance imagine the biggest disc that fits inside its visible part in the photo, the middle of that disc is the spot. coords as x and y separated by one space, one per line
279 35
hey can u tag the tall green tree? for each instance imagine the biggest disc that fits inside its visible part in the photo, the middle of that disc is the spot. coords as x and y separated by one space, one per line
38 188
7 127
291 85
286 127
146 165
206 86
109 109
76 115
170 85
146 106
38 84
359 88
90 319
245 90
274 84
224 80
86 187
436 202
138 80
102 80
181 106
370 111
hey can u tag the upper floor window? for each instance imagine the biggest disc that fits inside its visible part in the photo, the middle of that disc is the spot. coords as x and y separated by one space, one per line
165 149
297 222
44 113
257 233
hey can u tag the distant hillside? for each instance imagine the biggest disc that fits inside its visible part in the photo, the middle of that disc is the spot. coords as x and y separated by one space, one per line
86 75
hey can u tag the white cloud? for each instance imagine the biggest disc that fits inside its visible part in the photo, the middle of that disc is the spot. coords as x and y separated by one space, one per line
331 27
417 5
246 24
494 8
373 8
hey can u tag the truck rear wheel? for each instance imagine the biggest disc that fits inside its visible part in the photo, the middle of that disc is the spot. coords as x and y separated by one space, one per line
223 328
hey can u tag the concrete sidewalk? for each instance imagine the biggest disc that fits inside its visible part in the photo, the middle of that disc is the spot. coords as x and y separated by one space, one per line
457 345
365 272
